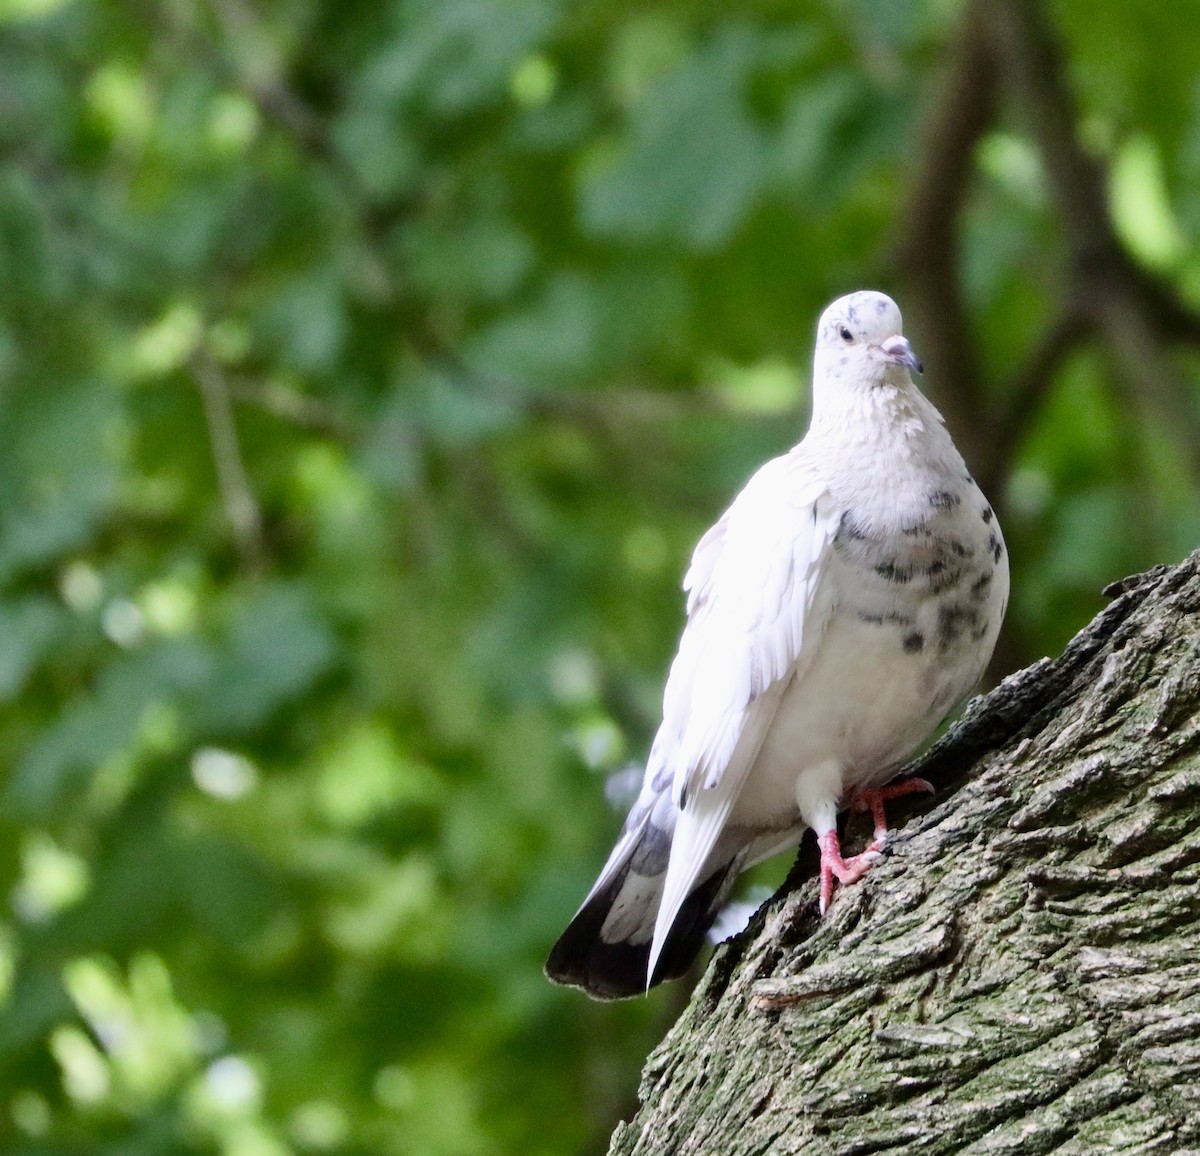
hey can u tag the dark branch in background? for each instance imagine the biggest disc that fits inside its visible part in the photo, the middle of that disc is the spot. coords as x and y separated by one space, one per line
988 423
295 408
277 104
241 506
1006 47
271 96
1134 314
928 250
1030 59
1029 386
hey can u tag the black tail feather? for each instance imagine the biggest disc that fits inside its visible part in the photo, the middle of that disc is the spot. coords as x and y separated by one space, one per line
582 958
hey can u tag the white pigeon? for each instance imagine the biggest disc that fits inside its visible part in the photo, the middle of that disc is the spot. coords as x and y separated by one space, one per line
844 604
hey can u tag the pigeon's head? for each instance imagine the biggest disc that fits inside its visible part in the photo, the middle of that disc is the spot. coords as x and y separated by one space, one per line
860 338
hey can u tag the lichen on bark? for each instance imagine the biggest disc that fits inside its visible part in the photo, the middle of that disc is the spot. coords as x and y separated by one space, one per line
1021 973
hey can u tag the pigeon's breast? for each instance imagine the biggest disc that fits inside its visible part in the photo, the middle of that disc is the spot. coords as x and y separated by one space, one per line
938 573
922 599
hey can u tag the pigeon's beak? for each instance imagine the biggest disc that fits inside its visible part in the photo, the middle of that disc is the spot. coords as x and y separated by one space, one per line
898 351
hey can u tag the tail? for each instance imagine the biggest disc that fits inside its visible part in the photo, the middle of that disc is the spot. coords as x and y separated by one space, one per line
608 965
606 949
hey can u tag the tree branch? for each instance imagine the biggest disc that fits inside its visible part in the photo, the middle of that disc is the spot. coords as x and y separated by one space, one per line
293 407
241 506
1031 383
1129 310
1107 296
927 254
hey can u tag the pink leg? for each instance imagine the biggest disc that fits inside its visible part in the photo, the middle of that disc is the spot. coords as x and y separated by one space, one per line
833 866
873 798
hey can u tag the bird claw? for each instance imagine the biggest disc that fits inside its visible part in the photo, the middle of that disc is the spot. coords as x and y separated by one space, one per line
873 798
851 870
833 866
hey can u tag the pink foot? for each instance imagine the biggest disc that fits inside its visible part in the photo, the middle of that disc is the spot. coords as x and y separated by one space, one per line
833 866
873 798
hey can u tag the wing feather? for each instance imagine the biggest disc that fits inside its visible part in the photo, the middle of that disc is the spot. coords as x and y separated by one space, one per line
754 620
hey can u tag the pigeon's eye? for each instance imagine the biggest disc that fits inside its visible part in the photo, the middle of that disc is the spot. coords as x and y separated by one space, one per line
845 335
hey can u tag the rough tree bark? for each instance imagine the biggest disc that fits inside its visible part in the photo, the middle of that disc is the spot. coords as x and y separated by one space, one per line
1021 973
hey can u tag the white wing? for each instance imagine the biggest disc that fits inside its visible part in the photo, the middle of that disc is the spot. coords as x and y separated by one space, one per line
754 620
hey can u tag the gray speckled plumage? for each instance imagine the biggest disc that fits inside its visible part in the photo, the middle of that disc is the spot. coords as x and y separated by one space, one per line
848 599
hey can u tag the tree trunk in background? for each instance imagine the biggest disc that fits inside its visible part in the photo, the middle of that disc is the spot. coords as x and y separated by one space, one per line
1021 973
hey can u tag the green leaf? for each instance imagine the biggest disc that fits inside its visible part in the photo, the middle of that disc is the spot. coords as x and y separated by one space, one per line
695 160
276 648
58 471
29 628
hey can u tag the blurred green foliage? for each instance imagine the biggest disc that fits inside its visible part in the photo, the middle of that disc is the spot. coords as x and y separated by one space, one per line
367 371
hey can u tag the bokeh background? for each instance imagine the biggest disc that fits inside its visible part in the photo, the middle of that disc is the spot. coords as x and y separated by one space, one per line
368 371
